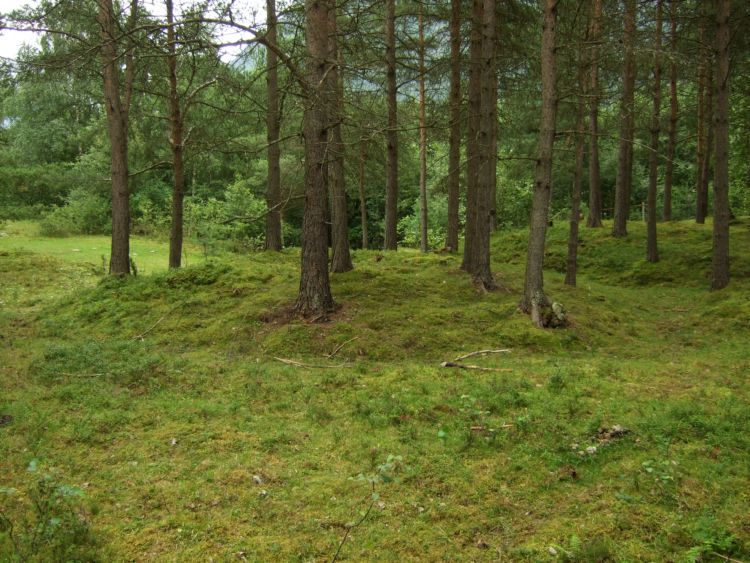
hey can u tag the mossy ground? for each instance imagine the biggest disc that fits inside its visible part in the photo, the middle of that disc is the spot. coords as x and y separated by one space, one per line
161 399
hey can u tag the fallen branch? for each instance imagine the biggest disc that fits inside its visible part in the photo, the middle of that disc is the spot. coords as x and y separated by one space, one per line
295 363
480 353
469 366
340 346
373 498
149 329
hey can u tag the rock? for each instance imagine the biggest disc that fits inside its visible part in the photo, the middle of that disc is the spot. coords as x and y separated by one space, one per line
591 450
257 479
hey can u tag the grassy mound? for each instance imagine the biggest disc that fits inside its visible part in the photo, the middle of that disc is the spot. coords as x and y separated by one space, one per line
164 425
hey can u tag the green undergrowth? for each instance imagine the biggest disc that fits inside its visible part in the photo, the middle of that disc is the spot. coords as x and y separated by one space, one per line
162 424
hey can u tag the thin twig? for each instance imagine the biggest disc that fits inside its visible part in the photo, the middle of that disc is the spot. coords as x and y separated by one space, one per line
469 366
301 365
480 353
149 329
340 346
348 530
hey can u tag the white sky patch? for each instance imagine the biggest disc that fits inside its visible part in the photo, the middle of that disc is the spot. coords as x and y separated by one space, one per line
246 12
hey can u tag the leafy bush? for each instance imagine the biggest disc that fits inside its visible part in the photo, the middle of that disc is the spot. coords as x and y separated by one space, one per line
437 223
84 213
46 524
239 217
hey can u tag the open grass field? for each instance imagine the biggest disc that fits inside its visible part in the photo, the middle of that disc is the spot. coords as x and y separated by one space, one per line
153 419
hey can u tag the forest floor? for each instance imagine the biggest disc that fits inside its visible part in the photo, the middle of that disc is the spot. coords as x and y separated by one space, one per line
155 419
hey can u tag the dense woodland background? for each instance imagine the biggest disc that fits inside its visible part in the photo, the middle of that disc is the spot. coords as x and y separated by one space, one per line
214 146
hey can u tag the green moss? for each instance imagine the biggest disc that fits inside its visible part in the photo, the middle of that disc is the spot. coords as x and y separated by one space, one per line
160 398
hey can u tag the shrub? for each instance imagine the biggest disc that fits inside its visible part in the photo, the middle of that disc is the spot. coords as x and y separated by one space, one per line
84 213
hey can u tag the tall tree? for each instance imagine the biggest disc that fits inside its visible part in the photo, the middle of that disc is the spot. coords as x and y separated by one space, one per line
571 267
673 112
702 143
701 207
362 197
273 126
535 301
314 296
341 260
720 256
117 105
627 120
652 250
594 218
454 142
422 137
176 143
391 165
474 98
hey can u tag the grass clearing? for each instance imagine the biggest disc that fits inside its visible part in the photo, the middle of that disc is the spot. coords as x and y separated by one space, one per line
154 413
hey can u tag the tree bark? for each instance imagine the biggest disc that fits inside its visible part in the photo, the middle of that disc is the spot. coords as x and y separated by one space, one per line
454 143
176 124
314 296
594 219
341 260
652 250
571 268
391 155
705 171
422 139
625 153
534 301
700 146
362 199
472 135
117 108
673 111
273 126
720 258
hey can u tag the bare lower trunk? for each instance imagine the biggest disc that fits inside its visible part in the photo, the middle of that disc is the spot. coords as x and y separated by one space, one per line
595 183
273 126
341 260
534 301
705 171
175 119
391 155
315 291
625 153
571 268
700 145
472 135
652 250
720 256
362 199
673 112
454 150
480 253
422 141
117 110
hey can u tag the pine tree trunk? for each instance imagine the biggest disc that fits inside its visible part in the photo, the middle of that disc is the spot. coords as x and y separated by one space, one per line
673 112
481 271
700 147
273 126
175 119
341 260
705 171
535 302
571 268
472 135
454 148
362 198
720 258
594 219
625 154
117 130
652 250
315 291
391 155
422 140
